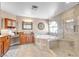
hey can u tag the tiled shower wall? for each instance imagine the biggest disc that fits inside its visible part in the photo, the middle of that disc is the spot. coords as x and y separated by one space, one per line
61 19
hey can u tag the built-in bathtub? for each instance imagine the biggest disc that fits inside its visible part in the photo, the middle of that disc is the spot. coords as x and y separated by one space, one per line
47 37
46 41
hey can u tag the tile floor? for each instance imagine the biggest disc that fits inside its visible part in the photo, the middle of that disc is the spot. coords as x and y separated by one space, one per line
66 49
32 50
28 50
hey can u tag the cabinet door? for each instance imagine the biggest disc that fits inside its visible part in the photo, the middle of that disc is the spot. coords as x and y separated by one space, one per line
6 44
23 39
1 48
32 38
29 39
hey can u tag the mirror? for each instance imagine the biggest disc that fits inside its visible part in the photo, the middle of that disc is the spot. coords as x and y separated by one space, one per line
27 25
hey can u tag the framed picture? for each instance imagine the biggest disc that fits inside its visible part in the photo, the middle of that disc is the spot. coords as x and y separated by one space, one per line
41 26
27 25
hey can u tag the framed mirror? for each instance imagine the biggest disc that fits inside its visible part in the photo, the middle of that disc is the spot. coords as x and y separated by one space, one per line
41 26
27 25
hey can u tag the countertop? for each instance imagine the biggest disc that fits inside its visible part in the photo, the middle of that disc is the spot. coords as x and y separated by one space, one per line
2 35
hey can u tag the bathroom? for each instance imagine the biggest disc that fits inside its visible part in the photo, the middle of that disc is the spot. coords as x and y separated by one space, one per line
57 34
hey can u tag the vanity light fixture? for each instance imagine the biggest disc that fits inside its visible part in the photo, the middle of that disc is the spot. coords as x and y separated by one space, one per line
71 20
27 20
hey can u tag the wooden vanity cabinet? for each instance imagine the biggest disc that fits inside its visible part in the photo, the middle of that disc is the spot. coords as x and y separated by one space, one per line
4 44
1 48
26 38
23 38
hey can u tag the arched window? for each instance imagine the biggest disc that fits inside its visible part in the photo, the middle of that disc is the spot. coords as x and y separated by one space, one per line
53 27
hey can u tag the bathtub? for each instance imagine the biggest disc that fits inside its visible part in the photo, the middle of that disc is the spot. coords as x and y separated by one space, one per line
46 37
46 41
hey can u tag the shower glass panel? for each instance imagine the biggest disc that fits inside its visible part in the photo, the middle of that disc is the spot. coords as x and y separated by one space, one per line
69 28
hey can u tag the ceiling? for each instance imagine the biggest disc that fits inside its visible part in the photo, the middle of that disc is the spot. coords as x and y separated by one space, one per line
44 11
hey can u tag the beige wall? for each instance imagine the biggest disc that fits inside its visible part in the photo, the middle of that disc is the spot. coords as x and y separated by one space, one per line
35 25
19 22
36 22
7 15
72 13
